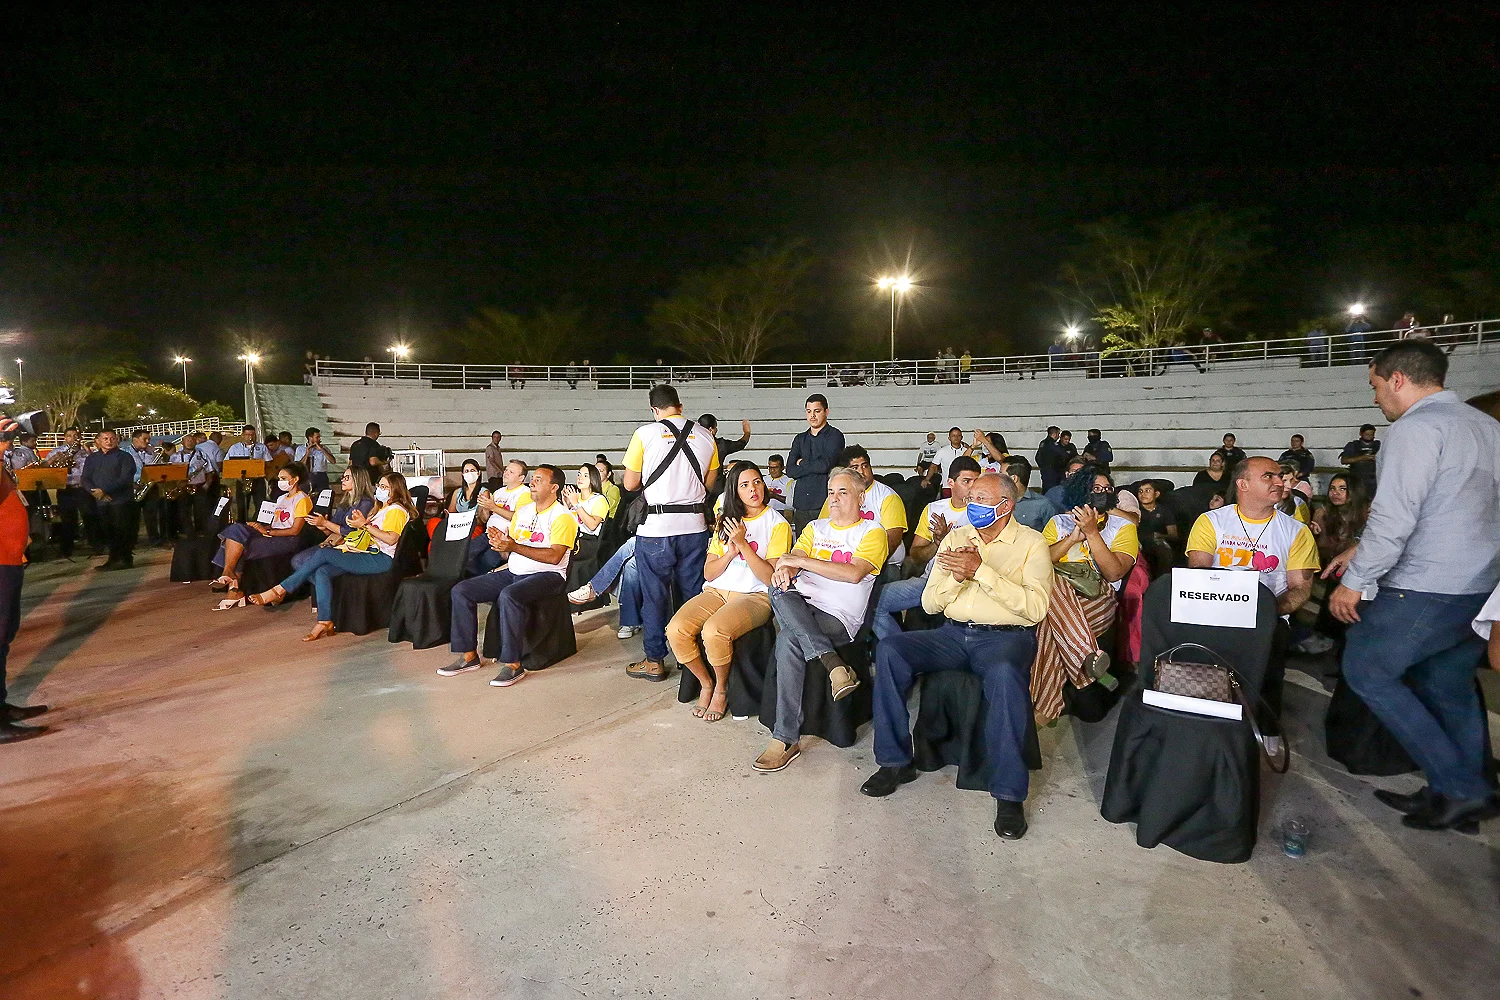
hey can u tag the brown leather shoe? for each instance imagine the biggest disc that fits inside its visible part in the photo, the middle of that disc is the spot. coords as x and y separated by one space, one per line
776 756
843 681
647 670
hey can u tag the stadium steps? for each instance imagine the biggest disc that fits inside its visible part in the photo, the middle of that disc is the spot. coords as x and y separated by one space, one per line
295 408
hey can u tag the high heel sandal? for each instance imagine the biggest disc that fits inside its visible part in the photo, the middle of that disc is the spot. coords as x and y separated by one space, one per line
222 584
268 597
320 630
230 603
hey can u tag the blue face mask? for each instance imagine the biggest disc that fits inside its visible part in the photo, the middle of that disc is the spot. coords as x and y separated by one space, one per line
981 515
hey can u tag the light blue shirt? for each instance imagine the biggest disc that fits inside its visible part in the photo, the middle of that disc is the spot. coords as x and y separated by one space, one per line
211 454
242 450
1434 526
316 459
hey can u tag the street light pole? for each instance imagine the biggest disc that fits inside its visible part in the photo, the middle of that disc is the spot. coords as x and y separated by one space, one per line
896 284
893 322
184 362
20 376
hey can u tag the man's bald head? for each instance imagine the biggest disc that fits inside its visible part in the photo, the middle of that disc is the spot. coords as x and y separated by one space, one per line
990 488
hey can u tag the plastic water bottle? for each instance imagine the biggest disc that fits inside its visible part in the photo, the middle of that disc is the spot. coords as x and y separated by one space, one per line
1294 837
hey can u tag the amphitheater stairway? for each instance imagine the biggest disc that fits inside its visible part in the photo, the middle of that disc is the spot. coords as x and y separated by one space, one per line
295 408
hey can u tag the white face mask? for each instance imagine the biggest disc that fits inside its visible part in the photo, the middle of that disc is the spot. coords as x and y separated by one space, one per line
471 477
382 494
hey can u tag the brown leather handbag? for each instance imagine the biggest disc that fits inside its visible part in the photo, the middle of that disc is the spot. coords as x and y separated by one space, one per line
1214 681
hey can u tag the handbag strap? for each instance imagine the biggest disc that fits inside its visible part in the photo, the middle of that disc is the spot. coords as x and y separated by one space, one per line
1280 762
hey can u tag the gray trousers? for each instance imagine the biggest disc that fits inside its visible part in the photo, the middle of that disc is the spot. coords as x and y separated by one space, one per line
805 633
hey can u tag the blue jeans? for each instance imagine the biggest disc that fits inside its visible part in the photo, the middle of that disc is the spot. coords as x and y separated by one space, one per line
630 594
1411 659
1002 660
804 632
661 562
896 597
612 568
479 558
508 592
325 564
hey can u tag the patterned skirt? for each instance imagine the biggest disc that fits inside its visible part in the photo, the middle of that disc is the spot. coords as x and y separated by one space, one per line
1064 639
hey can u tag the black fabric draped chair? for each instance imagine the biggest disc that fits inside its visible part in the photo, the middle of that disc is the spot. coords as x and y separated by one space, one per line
549 633
950 729
585 561
754 659
362 604
1190 781
422 610
192 555
257 575
837 722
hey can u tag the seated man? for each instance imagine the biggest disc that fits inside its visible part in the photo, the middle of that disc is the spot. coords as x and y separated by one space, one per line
498 508
1252 534
992 583
1032 509
881 504
938 518
819 594
538 541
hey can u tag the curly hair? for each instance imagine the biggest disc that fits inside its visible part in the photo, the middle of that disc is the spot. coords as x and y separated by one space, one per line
1078 489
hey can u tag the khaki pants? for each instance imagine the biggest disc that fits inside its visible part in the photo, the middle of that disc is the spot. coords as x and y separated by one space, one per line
719 617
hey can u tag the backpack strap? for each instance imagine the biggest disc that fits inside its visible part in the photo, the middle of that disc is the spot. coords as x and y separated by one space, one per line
679 447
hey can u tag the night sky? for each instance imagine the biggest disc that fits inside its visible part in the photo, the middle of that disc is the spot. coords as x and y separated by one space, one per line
327 179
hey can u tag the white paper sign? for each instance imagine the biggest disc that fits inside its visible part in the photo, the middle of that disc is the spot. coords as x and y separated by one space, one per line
459 525
267 512
219 508
1215 597
325 498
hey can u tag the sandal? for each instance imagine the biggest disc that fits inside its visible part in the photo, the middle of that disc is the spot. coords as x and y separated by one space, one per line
266 598
222 584
229 603
319 631
712 716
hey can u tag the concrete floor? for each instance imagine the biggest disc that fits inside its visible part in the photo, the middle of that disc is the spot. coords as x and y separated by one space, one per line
228 812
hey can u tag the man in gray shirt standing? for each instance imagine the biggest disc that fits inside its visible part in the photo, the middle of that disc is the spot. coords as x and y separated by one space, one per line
1432 547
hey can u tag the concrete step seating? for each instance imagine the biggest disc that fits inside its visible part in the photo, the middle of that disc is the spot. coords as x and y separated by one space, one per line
295 408
1165 425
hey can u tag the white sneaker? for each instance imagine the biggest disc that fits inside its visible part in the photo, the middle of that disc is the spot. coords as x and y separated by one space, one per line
582 595
626 631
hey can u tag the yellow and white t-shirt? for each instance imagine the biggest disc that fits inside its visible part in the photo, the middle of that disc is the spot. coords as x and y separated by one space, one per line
553 526
882 504
597 505
649 447
1271 545
779 491
945 510
392 518
1301 510
769 535
289 508
1119 535
822 539
512 498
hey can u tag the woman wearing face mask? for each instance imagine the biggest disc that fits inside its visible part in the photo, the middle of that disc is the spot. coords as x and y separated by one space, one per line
356 493
367 550
748 540
1093 550
466 497
253 540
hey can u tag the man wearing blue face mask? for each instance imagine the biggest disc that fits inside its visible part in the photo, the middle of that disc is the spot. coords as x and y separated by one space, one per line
992 582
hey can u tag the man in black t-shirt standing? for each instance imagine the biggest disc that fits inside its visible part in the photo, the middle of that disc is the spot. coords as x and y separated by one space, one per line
369 453
1299 456
1233 455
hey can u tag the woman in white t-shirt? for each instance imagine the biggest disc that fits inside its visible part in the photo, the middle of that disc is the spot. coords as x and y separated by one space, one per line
253 540
368 549
590 508
748 540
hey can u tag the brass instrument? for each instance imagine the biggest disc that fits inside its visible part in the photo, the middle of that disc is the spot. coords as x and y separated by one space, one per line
143 487
61 456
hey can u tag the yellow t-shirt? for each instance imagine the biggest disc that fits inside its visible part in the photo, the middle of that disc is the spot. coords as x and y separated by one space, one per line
391 517
553 526
1271 545
882 505
1118 533
512 498
822 539
769 535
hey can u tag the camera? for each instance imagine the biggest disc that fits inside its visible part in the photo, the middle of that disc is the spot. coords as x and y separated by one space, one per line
30 422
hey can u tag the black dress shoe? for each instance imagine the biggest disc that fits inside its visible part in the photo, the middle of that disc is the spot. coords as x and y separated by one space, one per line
1443 813
15 713
886 780
1010 820
12 733
1409 804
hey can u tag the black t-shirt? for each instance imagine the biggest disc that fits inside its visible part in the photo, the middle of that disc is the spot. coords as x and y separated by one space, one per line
1359 446
364 449
1232 456
1204 479
1154 522
1187 503
1302 459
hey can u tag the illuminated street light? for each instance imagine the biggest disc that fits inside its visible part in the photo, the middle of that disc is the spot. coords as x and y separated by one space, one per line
1357 309
898 285
1071 331
184 362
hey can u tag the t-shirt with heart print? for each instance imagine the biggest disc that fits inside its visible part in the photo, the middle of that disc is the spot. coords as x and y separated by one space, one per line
1270 546
822 539
553 526
883 504
769 536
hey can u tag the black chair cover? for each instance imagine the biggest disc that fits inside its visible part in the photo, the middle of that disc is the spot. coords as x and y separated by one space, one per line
950 729
754 658
257 575
1358 740
549 633
362 604
192 558
584 563
837 722
422 610
1188 781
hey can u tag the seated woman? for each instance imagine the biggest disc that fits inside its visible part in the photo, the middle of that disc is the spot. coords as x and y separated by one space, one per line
749 539
356 493
1157 527
253 540
1336 527
368 549
1093 550
590 508
1214 473
1294 503
619 568
470 495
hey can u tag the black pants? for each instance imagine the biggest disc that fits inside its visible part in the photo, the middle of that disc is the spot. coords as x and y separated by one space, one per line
74 503
248 494
319 482
201 504
10 614
120 522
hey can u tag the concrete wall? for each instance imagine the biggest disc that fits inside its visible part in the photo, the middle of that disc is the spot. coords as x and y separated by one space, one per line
1165 425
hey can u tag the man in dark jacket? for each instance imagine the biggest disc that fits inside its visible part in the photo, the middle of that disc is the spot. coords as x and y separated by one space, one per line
1051 458
812 454
109 477
1299 456
1099 448
369 453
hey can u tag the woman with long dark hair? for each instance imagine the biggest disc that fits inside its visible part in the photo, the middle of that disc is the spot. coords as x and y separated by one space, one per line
1338 524
369 548
748 539
466 497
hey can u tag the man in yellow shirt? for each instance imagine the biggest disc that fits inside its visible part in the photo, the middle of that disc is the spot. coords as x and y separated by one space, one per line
538 543
992 582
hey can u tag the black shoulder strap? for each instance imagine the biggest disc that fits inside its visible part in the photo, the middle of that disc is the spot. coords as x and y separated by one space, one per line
679 447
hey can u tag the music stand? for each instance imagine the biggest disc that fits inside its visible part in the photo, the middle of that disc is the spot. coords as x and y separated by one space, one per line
42 477
241 471
164 474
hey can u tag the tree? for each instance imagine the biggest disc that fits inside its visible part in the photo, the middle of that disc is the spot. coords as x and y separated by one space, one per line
734 315
214 408
70 366
135 401
552 334
1148 287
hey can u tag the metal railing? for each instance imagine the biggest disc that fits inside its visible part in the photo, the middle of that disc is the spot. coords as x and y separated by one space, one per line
169 428
1306 351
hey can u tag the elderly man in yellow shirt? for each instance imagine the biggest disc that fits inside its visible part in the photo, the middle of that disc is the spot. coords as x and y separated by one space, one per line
992 582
